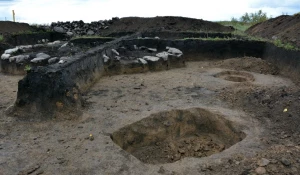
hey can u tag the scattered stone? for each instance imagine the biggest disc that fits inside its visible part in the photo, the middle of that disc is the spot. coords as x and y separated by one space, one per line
42 55
106 58
10 51
174 51
163 55
115 52
156 37
64 45
70 34
263 162
90 32
260 170
142 61
59 30
161 170
285 162
61 61
21 58
151 58
53 60
5 56
152 50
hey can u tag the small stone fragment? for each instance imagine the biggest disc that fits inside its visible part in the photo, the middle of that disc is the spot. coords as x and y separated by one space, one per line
260 170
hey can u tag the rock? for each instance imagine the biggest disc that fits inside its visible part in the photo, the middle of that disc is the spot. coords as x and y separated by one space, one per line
260 170
5 56
70 34
115 52
25 47
157 37
42 55
53 60
174 51
106 58
151 58
64 45
59 29
163 55
54 43
10 51
90 32
21 58
143 48
136 48
61 61
285 162
142 61
152 50
161 170
117 58
263 162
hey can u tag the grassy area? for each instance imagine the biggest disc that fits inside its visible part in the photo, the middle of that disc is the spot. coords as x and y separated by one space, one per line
1 38
287 46
240 26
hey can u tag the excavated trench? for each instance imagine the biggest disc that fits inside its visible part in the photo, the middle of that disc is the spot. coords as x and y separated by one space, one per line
169 136
235 76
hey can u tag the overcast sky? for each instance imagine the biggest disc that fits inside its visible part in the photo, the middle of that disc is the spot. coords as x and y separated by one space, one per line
47 11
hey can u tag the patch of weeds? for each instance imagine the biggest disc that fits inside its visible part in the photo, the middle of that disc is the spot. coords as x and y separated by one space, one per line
27 68
287 46
1 38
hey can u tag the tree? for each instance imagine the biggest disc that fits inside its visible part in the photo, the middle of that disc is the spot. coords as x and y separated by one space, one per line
253 18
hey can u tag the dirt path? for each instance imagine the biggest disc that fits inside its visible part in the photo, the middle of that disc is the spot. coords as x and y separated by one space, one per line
254 102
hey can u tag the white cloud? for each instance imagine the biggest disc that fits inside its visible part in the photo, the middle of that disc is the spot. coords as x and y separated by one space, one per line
47 11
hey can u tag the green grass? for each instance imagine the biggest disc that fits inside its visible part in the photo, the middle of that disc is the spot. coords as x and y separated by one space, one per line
287 46
240 26
1 38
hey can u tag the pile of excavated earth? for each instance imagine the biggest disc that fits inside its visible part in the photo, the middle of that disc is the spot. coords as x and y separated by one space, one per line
144 99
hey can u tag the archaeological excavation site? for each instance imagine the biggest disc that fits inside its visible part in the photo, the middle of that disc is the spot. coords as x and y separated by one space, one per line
162 95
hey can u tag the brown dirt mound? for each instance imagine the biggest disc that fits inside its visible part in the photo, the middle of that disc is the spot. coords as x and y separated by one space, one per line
8 27
285 28
135 24
251 64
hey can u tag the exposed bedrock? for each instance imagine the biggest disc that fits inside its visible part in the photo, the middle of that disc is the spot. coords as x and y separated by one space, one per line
53 90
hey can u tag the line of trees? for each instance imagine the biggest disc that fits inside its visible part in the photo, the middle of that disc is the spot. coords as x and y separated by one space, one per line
252 18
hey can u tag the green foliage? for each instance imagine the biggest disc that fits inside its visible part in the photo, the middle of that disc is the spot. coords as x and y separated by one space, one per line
297 14
240 26
287 46
252 18
1 38
27 68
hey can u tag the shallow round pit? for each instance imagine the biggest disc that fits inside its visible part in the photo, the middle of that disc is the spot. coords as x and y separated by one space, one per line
235 76
169 136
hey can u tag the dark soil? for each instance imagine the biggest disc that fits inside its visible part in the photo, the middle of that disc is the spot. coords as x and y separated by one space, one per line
137 24
285 28
8 27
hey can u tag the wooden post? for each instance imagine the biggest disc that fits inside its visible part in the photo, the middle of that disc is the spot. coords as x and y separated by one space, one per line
13 12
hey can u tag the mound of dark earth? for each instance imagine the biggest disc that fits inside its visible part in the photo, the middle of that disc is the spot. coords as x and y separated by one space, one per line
285 28
166 23
123 26
8 27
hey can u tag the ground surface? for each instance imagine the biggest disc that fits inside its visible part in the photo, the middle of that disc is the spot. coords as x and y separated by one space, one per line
286 28
255 105
8 27
137 24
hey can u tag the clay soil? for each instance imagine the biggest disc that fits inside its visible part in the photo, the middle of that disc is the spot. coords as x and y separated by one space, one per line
285 28
265 108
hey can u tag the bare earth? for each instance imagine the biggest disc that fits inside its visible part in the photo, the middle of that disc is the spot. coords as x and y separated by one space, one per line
242 92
